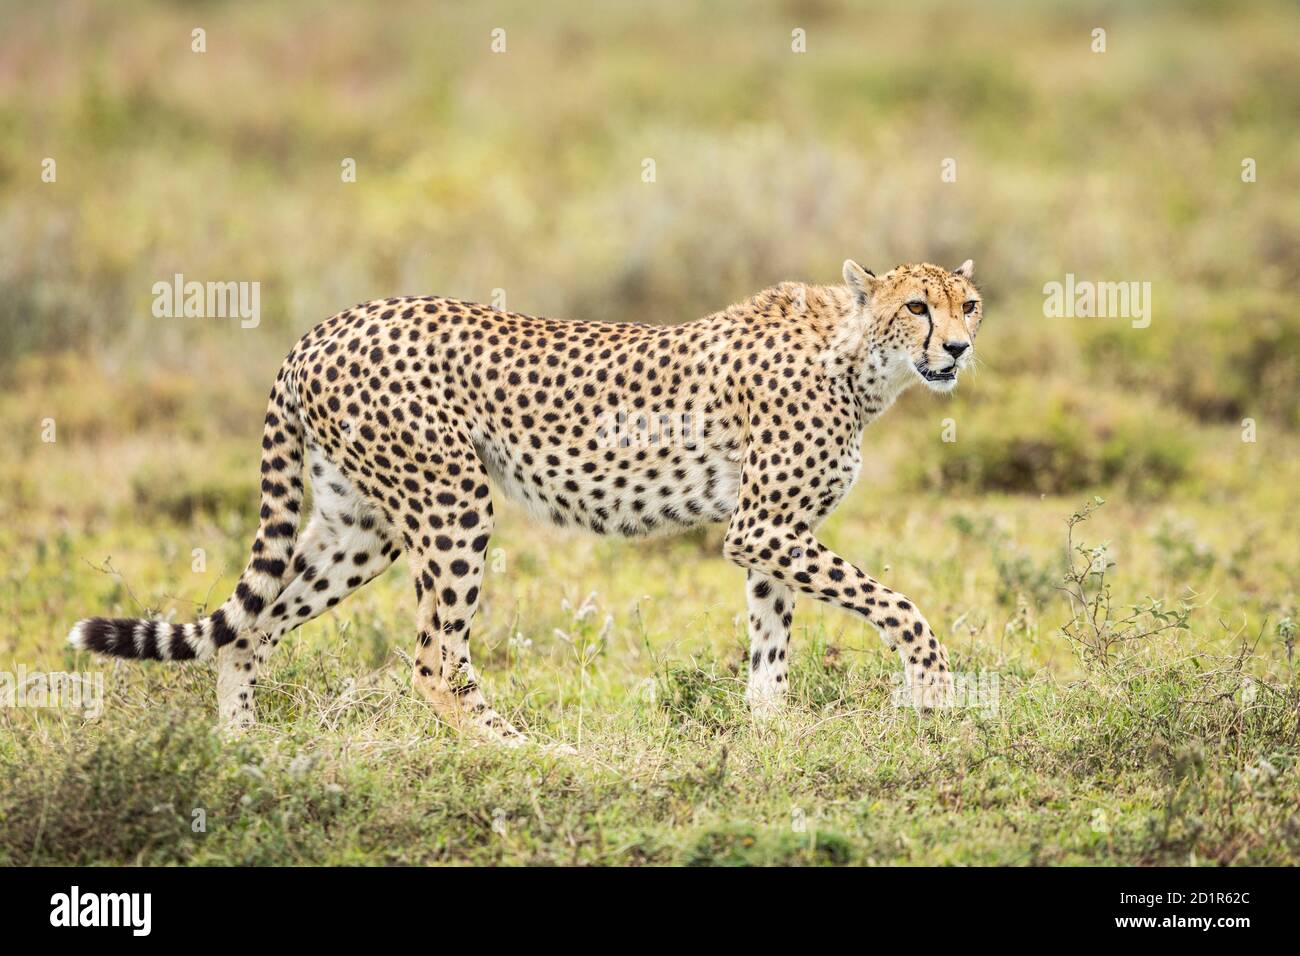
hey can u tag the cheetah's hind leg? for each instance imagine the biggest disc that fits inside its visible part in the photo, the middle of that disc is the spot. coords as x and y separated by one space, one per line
447 556
347 543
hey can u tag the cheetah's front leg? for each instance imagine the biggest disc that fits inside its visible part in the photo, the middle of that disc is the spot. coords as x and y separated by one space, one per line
811 567
771 608
775 544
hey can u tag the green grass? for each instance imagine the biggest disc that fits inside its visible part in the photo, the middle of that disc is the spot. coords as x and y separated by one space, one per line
1181 751
1165 766
522 172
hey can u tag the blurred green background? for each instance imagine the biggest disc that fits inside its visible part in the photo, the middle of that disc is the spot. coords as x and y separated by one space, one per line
522 171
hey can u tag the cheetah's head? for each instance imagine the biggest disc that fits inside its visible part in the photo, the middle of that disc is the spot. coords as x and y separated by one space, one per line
923 318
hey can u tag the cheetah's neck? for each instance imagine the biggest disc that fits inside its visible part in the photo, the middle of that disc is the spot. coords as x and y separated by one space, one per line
874 375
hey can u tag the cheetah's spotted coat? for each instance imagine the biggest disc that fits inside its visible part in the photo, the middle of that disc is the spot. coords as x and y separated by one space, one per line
406 411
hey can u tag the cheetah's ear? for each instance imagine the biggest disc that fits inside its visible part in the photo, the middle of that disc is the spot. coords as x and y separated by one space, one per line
966 270
861 282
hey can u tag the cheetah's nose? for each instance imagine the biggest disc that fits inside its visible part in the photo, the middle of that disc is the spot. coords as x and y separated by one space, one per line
955 349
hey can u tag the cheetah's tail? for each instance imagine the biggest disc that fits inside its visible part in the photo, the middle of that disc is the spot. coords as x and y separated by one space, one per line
263 578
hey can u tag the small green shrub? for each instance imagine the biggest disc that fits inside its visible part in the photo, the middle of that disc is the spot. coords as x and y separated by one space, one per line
1240 359
1059 440
696 692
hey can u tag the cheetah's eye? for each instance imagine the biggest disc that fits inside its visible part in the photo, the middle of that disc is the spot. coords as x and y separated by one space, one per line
968 307
917 308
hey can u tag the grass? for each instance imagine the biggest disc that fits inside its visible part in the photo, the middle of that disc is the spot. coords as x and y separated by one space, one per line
1161 735
1181 749
1166 767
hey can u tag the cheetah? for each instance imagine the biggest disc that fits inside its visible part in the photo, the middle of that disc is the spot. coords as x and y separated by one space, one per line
406 412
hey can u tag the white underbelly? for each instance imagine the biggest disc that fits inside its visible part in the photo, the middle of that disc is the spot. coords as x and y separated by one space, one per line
630 495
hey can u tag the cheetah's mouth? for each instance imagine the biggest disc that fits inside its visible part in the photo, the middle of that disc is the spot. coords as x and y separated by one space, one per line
936 375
